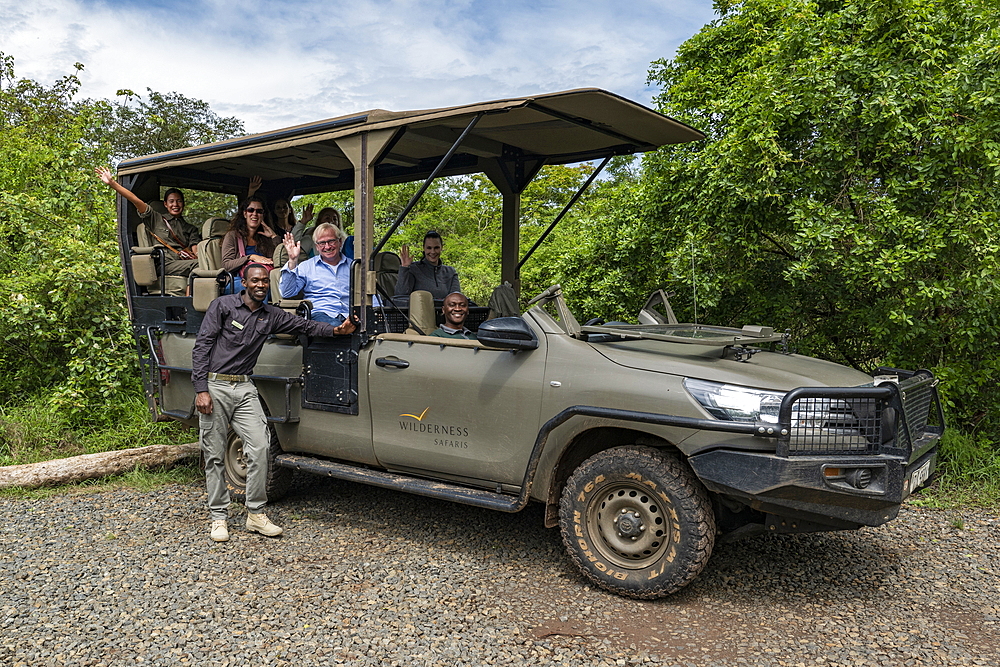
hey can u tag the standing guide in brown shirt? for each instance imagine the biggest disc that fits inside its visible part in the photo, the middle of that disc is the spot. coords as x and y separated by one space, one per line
225 352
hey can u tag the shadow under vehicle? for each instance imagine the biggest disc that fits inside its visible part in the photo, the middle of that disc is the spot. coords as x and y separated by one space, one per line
646 441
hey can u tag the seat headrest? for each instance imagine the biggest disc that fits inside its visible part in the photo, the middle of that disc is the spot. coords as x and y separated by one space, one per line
387 261
214 227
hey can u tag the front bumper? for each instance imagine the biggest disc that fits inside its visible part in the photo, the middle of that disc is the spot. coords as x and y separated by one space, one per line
803 487
845 456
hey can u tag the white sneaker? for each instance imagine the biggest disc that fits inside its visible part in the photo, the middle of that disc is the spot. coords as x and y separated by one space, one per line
220 531
259 523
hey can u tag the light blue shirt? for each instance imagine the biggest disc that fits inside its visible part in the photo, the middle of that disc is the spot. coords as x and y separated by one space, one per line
328 287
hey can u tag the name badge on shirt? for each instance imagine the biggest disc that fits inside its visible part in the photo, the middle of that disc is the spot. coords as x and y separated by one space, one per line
237 324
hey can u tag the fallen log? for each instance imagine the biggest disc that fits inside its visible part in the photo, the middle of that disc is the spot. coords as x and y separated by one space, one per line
89 466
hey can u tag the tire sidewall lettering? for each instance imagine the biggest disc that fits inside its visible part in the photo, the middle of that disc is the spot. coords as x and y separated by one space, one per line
644 574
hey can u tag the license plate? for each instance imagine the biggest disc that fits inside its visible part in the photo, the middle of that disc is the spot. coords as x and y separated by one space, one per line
919 476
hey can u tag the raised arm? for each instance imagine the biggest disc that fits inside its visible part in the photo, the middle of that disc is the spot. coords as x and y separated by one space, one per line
105 175
294 249
255 183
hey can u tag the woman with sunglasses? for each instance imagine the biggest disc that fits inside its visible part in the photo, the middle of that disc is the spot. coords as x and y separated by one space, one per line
249 240
284 215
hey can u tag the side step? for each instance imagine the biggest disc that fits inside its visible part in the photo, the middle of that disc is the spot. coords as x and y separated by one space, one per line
388 480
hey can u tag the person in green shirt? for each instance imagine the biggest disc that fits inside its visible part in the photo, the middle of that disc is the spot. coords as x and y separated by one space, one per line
169 228
456 309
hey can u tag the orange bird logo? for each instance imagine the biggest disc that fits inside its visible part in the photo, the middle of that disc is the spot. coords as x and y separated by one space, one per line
420 418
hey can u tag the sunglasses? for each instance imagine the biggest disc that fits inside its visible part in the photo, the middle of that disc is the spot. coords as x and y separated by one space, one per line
254 210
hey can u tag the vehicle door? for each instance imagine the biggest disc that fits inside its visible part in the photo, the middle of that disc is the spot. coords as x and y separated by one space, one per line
453 409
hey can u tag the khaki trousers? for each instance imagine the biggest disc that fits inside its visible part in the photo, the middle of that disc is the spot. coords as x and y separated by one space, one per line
235 403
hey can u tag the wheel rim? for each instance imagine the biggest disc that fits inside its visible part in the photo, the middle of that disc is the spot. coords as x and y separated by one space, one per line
236 464
629 525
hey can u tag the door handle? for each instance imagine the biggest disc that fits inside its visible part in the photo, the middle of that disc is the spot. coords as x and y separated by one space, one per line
394 363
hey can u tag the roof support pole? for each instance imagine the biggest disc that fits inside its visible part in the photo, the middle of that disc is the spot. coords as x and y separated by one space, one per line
510 187
510 238
510 174
423 188
364 150
566 208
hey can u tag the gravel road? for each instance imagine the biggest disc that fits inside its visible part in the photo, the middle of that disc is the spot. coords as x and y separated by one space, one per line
365 576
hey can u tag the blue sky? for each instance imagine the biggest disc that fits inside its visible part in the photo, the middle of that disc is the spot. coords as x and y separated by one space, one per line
278 64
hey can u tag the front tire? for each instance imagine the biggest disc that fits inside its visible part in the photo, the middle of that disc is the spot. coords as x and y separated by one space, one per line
235 469
637 522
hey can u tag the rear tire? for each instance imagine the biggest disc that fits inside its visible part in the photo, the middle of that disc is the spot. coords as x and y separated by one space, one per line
235 469
637 522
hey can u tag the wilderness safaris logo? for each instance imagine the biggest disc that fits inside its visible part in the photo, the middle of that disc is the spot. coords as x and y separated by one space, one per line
450 433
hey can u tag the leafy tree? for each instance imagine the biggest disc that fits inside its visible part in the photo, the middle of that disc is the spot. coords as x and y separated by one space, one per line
67 338
131 126
847 188
62 315
135 126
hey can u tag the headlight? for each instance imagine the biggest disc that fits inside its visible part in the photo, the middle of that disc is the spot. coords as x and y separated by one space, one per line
731 402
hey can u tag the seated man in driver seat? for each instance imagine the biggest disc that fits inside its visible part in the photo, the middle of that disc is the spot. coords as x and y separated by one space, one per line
456 309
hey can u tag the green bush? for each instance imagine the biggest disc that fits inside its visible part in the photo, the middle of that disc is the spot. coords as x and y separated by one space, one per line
968 472
846 189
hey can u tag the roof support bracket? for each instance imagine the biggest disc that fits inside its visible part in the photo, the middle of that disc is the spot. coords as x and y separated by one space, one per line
423 188
566 208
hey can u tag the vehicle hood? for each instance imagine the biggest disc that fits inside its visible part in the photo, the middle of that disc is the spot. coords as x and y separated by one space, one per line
765 370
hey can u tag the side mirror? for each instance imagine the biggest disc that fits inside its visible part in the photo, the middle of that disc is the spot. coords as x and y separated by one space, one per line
508 333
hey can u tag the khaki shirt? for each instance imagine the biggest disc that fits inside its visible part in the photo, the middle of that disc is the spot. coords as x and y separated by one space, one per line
157 223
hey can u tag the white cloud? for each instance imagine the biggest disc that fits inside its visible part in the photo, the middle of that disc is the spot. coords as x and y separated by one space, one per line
277 64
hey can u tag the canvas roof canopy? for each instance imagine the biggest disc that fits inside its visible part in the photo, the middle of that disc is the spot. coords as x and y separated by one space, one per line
553 128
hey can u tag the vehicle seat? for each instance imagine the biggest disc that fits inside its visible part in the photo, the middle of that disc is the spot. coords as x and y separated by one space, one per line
289 304
295 305
210 247
503 302
147 258
422 312
306 246
207 279
387 272
280 256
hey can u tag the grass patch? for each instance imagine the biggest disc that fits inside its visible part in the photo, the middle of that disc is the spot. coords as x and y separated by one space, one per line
33 432
968 474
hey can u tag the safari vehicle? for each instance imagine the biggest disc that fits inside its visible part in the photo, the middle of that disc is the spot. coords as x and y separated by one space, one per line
645 441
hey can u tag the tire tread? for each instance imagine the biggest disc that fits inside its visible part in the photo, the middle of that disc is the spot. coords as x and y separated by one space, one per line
690 497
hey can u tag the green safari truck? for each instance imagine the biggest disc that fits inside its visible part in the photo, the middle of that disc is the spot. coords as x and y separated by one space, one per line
646 441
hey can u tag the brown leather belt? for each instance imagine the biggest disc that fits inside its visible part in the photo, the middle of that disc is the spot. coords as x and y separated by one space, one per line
222 377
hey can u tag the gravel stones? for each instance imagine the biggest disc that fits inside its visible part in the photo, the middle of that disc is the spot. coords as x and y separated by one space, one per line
365 576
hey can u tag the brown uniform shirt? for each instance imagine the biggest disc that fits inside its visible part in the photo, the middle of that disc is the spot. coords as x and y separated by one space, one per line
231 336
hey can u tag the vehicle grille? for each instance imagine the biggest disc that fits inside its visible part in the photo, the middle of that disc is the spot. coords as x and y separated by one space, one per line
835 426
859 420
917 394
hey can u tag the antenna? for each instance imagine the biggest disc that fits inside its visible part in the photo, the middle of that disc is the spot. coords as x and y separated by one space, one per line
694 282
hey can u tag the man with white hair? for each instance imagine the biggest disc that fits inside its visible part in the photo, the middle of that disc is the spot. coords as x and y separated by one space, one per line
325 278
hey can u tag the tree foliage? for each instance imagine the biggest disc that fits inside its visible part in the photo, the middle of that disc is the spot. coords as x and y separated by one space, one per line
67 338
466 211
134 126
846 190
